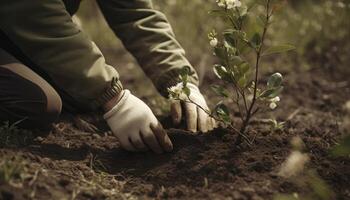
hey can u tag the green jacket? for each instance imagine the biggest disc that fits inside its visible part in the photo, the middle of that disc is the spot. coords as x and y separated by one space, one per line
43 30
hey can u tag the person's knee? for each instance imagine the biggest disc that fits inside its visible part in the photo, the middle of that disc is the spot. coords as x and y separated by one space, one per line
27 98
53 108
48 109
44 107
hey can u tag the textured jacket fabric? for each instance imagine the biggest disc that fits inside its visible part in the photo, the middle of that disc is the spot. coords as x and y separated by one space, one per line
43 32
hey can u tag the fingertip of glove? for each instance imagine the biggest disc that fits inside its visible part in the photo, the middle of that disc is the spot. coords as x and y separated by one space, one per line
169 147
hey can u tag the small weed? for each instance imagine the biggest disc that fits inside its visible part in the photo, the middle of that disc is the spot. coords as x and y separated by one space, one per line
276 125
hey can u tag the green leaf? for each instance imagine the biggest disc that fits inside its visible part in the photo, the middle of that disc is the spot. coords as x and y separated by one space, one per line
220 90
244 67
185 71
221 72
242 82
220 52
230 40
278 49
256 40
219 13
271 93
187 91
223 112
275 80
262 20
236 34
230 46
236 60
184 79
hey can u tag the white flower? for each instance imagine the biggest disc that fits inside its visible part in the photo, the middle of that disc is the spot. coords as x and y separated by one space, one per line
233 4
273 102
276 99
214 42
221 3
273 105
177 93
238 3
229 4
294 164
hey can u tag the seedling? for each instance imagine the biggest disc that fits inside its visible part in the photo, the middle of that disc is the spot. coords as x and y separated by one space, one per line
239 77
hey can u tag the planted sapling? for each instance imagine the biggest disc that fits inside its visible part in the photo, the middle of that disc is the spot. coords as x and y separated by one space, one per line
239 77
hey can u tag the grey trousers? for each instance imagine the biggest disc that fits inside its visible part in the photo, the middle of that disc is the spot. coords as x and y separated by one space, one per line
25 96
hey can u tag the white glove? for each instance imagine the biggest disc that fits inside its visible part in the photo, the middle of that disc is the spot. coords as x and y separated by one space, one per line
196 118
136 127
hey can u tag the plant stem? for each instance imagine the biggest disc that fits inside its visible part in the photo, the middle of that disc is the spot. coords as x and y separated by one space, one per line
257 64
230 126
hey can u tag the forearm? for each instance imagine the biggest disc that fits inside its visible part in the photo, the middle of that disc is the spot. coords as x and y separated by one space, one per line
147 34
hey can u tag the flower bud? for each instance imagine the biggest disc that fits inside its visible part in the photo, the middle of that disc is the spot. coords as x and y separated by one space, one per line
273 105
214 42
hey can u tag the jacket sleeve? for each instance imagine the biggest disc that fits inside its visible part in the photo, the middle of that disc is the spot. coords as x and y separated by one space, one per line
147 34
45 33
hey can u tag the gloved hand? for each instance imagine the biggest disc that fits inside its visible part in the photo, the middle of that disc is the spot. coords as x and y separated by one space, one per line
136 127
196 118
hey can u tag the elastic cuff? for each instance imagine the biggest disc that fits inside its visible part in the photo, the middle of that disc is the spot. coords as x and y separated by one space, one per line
115 88
115 109
172 78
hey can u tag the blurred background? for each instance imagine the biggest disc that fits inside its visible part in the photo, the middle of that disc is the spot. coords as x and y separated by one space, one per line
320 30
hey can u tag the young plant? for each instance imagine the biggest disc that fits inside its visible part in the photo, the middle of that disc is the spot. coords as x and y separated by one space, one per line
240 80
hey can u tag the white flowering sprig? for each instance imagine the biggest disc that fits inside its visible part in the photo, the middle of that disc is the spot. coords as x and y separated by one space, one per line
177 93
181 91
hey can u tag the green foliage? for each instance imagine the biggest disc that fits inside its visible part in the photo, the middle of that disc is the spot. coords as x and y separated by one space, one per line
233 49
276 125
221 91
223 112
235 70
10 135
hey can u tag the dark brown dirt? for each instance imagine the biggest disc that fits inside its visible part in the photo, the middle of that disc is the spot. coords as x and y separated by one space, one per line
73 164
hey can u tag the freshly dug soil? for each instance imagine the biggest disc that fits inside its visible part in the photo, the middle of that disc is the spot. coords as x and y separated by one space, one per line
71 164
